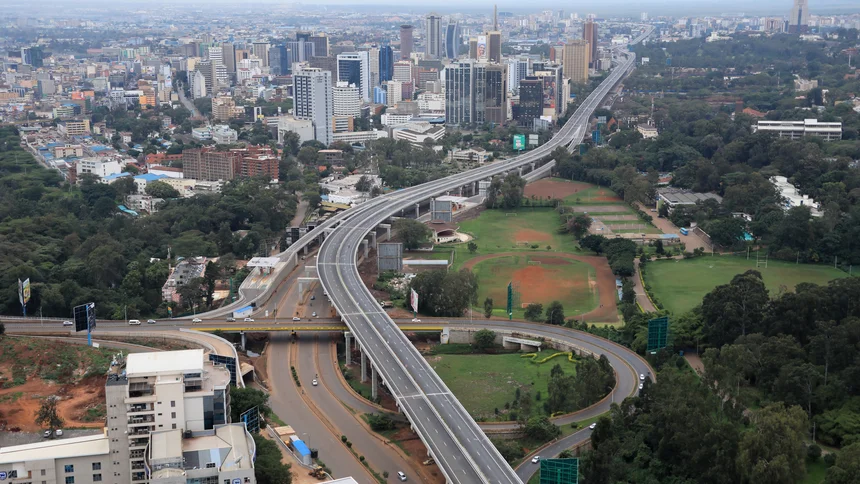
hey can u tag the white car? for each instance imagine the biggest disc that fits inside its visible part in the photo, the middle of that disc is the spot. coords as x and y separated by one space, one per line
641 386
296 318
134 322
535 459
196 320
401 476
641 377
416 320
314 314
58 432
150 321
314 382
593 426
68 323
248 320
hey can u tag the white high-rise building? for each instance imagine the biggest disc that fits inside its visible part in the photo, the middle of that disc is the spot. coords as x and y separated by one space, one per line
394 90
354 68
198 84
402 71
373 55
518 69
313 101
798 22
433 36
347 100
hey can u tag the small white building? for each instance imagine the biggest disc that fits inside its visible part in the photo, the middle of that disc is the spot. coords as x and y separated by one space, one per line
795 130
647 132
792 197
475 155
224 135
303 127
203 133
100 167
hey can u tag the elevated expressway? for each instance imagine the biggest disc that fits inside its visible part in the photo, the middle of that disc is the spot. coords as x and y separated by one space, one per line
461 449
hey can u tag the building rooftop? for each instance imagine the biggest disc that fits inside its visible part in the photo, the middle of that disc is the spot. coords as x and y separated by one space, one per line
229 448
150 177
165 444
56 449
680 196
182 361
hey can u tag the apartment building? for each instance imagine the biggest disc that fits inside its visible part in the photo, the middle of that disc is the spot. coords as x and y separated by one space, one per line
796 130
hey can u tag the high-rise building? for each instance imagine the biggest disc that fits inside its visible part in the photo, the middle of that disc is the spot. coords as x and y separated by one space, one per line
402 71
575 60
433 36
279 60
453 39
473 48
373 59
208 164
197 82
33 56
518 69
228 57
301 50
459 93
553 89
386 63
405 42
394 92
798 22
313 101
354 68
261 50
494 46
346 99
491 93
589 34
530 106
209 71
380 96
320 42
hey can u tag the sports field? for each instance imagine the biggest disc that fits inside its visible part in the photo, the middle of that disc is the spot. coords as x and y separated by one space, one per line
497 231
680 285
484 383
537 278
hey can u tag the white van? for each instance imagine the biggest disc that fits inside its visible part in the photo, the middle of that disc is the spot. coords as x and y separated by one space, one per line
134 322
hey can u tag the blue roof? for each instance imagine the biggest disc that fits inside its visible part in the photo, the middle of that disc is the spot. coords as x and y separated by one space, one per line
669 236
149 177
117 175
301 448
54 145
127 210
98 148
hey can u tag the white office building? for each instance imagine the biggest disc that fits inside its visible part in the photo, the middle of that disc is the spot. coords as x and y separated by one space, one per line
394 92
796 130
100 167
354 68
313 101
224 135
347 100
303 127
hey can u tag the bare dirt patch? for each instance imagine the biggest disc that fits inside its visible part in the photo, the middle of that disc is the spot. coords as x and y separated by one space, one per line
556 189
409 442
529 235
607 311
602 196
600 208
538 283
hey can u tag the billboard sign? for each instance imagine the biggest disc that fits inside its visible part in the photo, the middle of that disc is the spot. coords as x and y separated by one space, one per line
413 300
519 142
26 290
658 333
85 317
482 47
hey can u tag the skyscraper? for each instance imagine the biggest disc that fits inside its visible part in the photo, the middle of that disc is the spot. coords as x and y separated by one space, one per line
279 61
459 91
373 59
228 56
32 56
354 68
798 22
320 42
453 39
346 99
589 34
491 93
494 46
518 69
386 63
531 101
433 38
575 61
261 50
301 50
313 101
405 41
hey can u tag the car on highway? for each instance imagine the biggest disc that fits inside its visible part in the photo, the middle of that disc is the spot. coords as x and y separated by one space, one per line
314 314
641 377
593 426
641 386
134 322
416 320
150 321
68 323
231 320
535 459
58 433
401 476
248 320
196 320
313 298
296 318
314 382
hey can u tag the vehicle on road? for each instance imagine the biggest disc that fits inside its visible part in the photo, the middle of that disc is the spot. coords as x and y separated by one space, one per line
58 432
314 314
401 476
641 377
134 322
68 323
313 298
47 434
230 320
641 386
314 382
593 426
535 459
296 318
416 320
196 320
150 321
248 320
685 231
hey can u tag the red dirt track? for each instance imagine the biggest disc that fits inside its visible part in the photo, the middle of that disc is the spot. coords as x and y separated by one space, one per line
607 293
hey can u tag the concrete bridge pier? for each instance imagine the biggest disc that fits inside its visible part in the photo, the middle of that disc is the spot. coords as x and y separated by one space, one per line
373 238
242 334
373 383
348 350
365 247
417 210
363 367
387 235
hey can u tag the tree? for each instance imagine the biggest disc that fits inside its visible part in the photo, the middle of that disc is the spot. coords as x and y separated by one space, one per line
47 414
268 467
593 243
488 307
734 309
412 232
579 225
541 429
555 313
726 232
773 452
847 466
658 247
292 140
484 339
445 293
364 184
244 399
159 189
534 311
472 246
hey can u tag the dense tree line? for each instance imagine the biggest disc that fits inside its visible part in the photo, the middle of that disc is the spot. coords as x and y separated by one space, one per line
76 247
445 293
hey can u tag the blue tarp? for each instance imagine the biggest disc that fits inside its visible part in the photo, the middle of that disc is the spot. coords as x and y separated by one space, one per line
301 448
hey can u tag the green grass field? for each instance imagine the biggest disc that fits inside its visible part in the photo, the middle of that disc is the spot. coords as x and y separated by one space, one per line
680 285
484 383
567 283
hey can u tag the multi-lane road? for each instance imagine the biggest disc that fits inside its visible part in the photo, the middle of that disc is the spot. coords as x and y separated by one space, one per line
463 452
